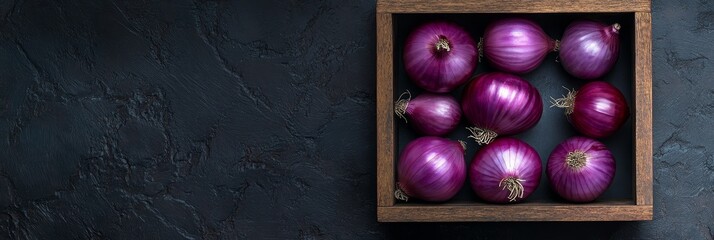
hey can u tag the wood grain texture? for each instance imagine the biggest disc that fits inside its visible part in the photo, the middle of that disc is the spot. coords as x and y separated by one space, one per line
385 116
516 212
643 109
512 6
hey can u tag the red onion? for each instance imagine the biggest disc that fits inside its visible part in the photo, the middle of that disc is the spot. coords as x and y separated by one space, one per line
507 170
500 104
431 168
580 169
596 110
589 49
440 56
516 45
431 114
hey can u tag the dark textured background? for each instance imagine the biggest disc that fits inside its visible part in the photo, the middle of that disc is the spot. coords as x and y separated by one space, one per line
255 119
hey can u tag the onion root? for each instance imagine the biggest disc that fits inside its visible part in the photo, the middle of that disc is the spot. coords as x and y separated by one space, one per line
514 186
576 159
400 194
482 136
400 106
567 101
463 144
616 27
442 45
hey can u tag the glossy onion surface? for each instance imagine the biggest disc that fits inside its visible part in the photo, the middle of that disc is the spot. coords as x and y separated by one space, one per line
500 104
507 170
589 49
516 45
580 169
430 114
440 56
431 169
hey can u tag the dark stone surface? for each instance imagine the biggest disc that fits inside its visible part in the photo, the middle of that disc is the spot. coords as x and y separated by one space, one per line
255 119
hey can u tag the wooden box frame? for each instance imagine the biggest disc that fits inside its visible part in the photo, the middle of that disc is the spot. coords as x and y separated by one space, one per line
639 209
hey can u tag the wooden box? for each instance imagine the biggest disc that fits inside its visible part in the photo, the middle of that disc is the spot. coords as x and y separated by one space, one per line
630 200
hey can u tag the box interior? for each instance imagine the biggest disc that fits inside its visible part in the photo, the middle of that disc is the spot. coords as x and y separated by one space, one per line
549 78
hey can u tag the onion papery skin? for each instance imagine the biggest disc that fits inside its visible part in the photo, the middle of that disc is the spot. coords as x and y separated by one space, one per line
431 114
516 45
580 181
599 110
502 159
432 168
436 68
502 103
589 49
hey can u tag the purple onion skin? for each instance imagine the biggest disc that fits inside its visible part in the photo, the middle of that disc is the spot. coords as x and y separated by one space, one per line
516 45
437 69
504 158
432 168
579 183
433 114
501 102
589 49
599 110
